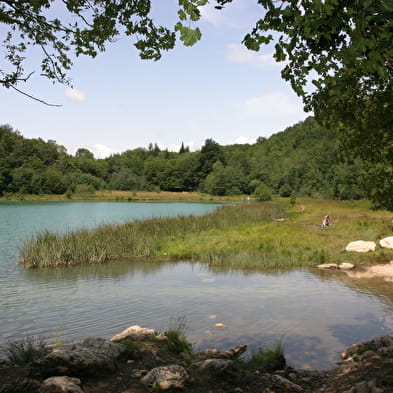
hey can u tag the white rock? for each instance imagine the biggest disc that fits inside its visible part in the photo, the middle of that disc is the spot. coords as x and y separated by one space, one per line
346 266
61 385
360 246
135 332
387 242
326 266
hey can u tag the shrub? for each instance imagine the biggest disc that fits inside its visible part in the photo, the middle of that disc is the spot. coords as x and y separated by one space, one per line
285 191
84 189
263 193
176 336
292 200
267 360
25 351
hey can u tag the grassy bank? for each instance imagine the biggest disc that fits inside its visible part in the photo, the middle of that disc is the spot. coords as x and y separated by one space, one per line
241 236
127 196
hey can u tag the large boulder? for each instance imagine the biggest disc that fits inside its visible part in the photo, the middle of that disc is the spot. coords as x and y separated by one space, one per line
387 242
61 385
135 332
166 377
360 246
93 356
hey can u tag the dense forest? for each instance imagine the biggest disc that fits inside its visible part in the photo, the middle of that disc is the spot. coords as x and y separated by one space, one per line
301 160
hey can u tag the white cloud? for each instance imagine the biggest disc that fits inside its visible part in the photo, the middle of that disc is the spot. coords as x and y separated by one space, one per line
75 95
242 140
240 54
176 147
237 15
101 151
272 104
211 15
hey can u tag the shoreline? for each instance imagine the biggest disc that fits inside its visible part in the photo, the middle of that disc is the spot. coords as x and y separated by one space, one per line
140 360
129 196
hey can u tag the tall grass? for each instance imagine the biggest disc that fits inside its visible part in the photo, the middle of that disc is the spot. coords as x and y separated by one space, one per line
25 351
237 236
141 239
266 360
177 341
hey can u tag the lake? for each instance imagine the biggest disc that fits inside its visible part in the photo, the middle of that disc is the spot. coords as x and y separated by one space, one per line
316 314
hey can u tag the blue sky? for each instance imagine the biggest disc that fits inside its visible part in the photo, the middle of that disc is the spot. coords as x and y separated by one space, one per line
215 89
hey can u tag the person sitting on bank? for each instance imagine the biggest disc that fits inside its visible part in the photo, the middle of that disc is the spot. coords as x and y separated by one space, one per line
326 221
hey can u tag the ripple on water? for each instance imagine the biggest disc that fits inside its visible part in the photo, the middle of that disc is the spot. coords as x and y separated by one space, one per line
316 315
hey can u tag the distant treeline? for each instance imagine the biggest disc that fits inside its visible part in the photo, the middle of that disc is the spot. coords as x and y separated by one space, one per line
301 160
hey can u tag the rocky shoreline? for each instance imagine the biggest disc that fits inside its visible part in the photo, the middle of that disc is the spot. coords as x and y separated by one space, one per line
138 361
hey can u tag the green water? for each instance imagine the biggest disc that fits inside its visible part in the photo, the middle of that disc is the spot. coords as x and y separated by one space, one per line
315 314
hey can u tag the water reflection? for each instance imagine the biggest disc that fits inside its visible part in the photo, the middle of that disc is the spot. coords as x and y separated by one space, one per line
110 270
315 314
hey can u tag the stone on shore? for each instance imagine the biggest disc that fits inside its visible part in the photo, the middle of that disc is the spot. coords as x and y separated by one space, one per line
377 344
93 356
387 242
235 352
328 266
218 367
346 266
167 377
360 246
135 332
61 385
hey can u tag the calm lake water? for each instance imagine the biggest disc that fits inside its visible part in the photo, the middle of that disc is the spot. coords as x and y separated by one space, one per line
315 314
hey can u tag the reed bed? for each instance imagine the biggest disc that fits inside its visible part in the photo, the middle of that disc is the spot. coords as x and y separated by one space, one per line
141 239
245 236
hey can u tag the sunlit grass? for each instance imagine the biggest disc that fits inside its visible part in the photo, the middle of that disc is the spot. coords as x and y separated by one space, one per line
239 236
142 239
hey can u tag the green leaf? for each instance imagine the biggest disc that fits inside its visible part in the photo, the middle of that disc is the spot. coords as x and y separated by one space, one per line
182 15
188 36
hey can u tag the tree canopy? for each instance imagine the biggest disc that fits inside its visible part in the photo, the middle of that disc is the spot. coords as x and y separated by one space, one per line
298 161
336 54
62 29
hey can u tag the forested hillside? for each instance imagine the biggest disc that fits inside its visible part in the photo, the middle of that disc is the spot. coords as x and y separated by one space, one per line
301 160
